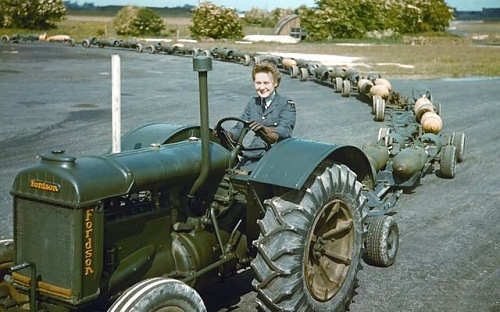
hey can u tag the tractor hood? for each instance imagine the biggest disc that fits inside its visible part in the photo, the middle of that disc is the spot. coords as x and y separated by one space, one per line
77 182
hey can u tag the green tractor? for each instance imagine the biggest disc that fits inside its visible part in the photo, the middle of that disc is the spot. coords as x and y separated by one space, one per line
143 229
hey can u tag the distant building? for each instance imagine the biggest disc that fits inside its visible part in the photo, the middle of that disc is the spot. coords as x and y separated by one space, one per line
491 12
290 26
485 13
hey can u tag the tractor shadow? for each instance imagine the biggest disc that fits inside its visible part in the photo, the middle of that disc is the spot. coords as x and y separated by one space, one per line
232 294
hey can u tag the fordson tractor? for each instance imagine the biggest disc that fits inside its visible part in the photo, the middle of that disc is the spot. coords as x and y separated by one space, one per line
143 229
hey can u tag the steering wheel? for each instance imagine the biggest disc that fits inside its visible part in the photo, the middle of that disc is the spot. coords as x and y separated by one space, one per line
232 143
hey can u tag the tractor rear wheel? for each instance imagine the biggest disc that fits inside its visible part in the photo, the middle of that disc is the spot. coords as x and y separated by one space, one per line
310 245
158 295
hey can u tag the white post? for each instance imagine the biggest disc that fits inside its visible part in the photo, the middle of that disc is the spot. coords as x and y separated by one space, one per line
116 103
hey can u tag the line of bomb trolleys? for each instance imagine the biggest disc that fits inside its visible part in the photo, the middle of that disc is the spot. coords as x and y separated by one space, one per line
408 147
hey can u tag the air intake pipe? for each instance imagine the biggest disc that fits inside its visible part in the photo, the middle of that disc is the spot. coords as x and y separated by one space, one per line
202 65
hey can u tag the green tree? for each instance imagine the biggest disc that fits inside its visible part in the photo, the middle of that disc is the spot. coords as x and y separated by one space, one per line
255 16
138 21
212 21
436 15
278 14
32 14
355 18
263 18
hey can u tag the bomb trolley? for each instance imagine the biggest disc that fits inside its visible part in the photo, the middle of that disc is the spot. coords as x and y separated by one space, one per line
409 148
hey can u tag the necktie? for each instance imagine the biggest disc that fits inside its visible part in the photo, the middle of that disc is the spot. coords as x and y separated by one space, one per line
265 104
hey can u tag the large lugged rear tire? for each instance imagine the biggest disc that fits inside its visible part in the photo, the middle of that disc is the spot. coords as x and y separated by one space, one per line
310 245
159 294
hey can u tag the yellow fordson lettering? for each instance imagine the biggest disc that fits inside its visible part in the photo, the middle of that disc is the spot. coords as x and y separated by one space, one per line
88 245
44 186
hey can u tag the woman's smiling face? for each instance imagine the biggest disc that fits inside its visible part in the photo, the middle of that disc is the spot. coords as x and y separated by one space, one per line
264 84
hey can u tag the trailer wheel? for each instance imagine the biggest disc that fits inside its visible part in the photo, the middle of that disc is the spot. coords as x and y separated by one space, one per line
384 133
382 241
310 244
159 294
338 84
346 88
194 52
458 140
448 162
5 39
294 71
379 107
85 43
247 60
304 74
375 99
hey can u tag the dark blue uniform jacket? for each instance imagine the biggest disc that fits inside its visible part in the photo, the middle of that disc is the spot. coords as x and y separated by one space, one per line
280 116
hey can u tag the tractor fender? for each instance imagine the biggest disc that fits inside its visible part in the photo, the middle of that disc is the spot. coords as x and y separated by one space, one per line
290 162
159 133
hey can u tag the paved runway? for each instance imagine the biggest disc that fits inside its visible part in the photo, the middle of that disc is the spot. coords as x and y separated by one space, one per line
57 97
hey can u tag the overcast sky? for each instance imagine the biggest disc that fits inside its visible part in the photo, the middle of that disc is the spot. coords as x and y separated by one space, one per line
243 5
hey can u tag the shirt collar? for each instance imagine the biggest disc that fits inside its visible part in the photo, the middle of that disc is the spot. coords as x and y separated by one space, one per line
267 101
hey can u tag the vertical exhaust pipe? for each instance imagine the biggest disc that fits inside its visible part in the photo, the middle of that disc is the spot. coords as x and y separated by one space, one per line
203 64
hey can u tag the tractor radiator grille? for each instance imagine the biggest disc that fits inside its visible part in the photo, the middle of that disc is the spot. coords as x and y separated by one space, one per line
45 236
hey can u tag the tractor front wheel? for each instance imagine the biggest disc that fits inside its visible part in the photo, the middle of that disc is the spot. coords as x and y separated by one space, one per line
159 294
6 256
310 245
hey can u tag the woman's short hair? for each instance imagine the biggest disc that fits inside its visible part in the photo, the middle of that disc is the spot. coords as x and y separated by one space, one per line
267 67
